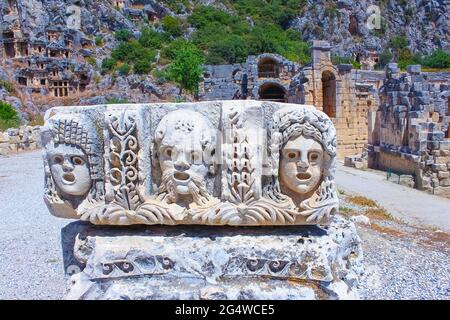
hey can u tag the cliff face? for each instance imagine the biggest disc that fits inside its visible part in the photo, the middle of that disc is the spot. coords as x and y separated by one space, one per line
344 23
53 49
34 16
425 24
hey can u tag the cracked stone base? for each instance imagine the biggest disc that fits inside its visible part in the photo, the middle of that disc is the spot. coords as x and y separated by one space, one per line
192 262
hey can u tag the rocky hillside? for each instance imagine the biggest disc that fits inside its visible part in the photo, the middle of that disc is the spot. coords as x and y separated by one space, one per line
86 52
423 23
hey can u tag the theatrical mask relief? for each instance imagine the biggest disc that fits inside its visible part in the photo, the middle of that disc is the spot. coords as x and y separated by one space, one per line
234 163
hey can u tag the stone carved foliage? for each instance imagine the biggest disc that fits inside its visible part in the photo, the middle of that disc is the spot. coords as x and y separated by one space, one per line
192 185
123 160
127 206
244 205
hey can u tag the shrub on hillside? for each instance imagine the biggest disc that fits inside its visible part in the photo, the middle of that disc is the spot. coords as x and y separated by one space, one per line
384 58
399 42
346 60
229 39
150 38
123 35
172 26
438 59
8 116
9 86
142 66
108 64
98 41
124 69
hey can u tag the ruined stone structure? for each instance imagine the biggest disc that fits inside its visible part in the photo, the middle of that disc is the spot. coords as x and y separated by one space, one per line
236 163
264 77
20 139
346 95
410 130
138 10
350 97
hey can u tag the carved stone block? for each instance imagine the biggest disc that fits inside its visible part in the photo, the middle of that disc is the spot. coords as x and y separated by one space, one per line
242 163
199 262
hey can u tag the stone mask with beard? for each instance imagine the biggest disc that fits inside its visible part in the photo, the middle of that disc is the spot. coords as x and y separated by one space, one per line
185 143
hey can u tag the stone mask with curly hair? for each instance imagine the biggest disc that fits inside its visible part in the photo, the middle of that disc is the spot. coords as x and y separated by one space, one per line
303 157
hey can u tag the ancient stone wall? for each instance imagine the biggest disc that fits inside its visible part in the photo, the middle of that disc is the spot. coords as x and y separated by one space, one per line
410 133
24 138
263 77
346 95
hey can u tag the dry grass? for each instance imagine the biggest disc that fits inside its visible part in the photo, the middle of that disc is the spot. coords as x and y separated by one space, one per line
362 201
378 213
346 211
386 230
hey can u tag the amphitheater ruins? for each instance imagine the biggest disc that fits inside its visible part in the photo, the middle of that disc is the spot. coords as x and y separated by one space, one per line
399 120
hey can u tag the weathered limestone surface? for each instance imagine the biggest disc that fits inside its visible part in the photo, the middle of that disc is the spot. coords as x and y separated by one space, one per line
198 262
215 163
239 163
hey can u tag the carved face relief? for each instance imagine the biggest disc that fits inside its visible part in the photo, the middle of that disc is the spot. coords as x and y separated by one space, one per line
301 164
185 140
182 154
70 170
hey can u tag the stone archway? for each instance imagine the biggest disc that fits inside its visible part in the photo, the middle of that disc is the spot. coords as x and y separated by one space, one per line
272 92
268 68
329 93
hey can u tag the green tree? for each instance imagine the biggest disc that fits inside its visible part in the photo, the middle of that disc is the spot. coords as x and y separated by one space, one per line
231 49
399 42
384 58
8 116
186 67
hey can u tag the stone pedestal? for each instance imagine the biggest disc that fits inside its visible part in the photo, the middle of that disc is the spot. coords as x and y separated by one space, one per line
200 262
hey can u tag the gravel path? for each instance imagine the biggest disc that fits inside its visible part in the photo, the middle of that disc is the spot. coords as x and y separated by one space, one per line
402 262
411 205
31 264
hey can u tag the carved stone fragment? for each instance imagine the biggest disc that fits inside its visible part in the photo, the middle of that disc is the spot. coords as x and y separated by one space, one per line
241 163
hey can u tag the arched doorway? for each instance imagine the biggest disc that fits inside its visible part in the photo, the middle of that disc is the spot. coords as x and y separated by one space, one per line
268 68
329 93
272 92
